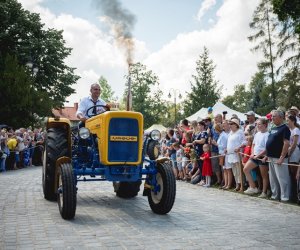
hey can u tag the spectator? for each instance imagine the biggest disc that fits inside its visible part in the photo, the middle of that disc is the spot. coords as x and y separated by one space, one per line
222 145
183 130
251 123
295 112
277 151
293 153
210 113
207 168
236 139
179 159
172 152
4 152
257 159
11 144
200 139
216 131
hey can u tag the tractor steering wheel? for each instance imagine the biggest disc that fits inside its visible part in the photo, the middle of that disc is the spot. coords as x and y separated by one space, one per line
89 114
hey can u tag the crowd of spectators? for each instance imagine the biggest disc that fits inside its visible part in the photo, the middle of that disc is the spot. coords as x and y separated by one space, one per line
259 156
20 148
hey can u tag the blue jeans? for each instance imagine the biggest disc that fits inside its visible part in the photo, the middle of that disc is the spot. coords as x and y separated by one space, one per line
2 163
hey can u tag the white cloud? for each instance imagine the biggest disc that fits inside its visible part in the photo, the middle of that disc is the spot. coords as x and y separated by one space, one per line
95 53
228 46
205 6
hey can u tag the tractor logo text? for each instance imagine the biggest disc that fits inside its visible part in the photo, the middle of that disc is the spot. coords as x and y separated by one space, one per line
123 138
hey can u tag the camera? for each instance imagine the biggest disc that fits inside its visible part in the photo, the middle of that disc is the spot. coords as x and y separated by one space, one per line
224 112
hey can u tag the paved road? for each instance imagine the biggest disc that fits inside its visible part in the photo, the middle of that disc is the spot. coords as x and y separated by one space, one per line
201 219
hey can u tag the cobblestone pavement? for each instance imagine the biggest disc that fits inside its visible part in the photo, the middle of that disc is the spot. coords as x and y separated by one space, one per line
200 219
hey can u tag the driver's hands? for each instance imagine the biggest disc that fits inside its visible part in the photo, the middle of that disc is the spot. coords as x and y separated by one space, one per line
108 106
83 119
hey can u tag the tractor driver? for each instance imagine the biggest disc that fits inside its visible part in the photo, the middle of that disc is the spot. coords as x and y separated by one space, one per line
91 101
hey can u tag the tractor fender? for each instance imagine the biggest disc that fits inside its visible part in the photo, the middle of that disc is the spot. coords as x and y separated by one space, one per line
162 159
65 123
60 161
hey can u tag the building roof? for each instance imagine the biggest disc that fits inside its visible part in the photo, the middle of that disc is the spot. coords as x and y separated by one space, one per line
67 112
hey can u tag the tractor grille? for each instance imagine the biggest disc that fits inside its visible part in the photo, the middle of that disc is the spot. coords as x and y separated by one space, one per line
123 141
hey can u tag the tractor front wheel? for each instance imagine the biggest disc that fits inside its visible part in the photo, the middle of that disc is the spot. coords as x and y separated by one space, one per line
66 195
161 201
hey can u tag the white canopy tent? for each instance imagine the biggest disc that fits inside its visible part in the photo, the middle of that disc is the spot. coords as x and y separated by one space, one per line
218 108
156 126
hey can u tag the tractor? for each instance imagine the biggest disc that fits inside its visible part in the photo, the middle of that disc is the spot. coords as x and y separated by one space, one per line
110 146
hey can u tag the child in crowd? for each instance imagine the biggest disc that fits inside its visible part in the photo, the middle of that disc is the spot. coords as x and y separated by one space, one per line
172 152
179 159
206 167
247 151
257 159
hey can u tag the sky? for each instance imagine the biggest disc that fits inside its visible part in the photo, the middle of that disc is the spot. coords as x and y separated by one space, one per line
169 36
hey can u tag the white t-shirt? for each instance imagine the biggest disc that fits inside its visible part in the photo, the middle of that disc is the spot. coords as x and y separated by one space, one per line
260 140
235 140
295 131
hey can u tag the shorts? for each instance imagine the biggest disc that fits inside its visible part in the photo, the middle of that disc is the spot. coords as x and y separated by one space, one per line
180 166
295 157
258 162
174 163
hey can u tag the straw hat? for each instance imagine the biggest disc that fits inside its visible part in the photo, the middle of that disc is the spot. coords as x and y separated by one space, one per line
235 121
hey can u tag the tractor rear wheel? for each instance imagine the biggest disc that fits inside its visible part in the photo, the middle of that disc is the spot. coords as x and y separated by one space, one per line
56 147
127 189
161 202
66 196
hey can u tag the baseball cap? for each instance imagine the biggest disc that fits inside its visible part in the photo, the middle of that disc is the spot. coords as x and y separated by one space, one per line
209 109
294 108
250 113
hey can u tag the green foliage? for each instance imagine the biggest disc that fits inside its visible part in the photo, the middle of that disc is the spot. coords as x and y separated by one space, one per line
288 11
289 89
106 91
265 23
204 89
16 100
239 100
23 36
149 104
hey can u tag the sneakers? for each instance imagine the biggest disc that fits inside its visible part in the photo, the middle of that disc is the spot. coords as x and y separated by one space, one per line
263 195
206 185
251 191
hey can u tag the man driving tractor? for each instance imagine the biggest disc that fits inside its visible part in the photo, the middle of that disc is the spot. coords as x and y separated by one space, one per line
91 101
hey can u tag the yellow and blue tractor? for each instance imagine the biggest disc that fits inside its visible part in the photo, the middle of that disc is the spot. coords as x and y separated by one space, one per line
112 147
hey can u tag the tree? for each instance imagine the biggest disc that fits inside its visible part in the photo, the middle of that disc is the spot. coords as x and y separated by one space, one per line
23 37
143 100
239 100
266 23
106 91
256 87
16 94
288 11
204 89
289 89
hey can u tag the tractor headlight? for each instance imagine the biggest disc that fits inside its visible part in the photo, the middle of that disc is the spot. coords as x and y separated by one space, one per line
155 135
84 133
